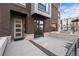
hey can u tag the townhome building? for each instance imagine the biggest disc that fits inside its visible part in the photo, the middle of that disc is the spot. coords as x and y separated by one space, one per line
18 20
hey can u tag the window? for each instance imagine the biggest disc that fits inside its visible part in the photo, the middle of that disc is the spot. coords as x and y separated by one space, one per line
18 25
47 7
41 22
43 6
18 30
18 34
23 4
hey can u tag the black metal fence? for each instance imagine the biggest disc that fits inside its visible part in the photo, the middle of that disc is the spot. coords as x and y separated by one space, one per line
74 47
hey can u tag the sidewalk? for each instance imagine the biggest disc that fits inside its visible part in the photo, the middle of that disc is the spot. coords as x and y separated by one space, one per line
56 46
23 48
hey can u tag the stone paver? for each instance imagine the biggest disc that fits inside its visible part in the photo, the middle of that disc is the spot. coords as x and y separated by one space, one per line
23 48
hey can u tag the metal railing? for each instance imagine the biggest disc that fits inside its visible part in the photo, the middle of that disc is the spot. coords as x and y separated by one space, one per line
73 46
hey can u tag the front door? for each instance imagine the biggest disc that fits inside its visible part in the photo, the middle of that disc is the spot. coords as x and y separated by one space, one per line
38 28
17 28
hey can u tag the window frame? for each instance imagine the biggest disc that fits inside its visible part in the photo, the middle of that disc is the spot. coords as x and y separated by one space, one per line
46 5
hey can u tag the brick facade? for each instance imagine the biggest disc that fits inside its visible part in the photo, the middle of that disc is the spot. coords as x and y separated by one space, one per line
8 10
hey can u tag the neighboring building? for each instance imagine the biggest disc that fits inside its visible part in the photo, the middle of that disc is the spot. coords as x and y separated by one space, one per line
55 18
66 24
21 19
75 25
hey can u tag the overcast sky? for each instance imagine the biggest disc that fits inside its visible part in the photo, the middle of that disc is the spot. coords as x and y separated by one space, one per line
69 10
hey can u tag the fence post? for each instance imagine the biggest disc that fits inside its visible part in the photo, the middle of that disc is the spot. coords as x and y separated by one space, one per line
76 49
78 42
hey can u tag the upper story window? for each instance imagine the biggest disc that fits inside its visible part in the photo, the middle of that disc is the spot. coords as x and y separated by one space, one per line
43 4
23 4
43 7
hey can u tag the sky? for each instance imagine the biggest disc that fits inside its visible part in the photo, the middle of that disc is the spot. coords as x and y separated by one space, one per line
69 10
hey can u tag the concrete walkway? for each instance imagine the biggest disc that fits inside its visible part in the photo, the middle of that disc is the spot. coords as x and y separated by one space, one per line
58 47
23 48
51 46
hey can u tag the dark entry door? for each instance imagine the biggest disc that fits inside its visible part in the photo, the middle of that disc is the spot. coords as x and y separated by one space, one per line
38 28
